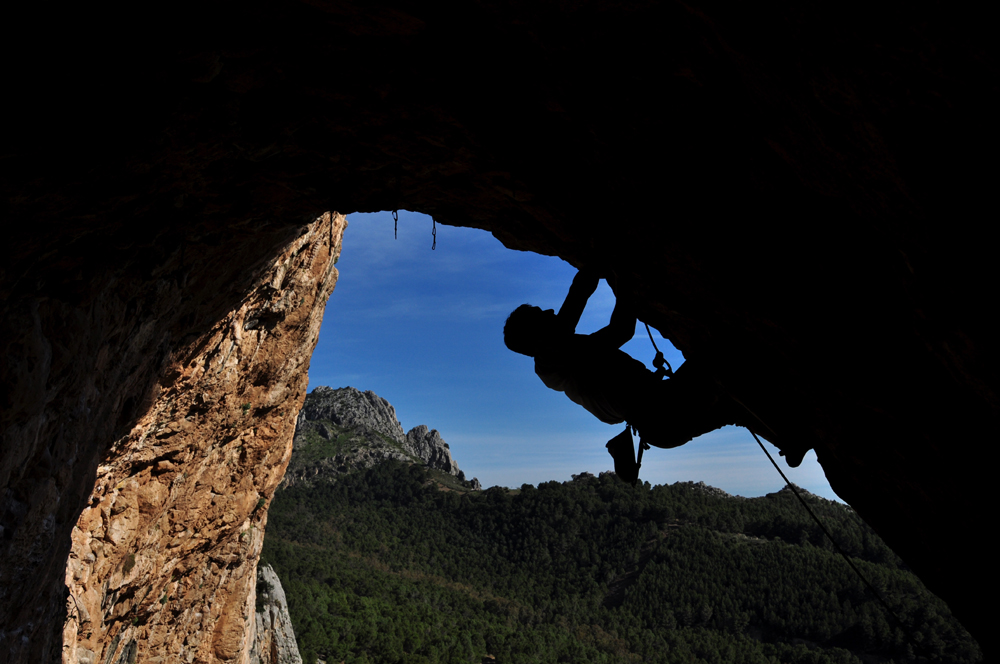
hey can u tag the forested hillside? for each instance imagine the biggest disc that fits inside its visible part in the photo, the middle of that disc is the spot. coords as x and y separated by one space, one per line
388 565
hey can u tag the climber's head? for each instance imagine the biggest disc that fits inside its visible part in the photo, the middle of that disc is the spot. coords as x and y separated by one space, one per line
529 328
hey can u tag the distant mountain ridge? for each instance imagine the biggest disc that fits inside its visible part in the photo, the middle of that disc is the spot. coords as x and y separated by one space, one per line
340 430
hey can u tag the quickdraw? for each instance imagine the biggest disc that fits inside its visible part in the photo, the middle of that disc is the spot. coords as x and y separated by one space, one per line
659 361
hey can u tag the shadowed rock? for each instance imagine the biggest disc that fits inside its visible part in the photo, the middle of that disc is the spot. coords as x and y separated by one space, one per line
792 192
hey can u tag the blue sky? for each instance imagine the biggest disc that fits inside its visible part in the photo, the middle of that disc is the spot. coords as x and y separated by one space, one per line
424 330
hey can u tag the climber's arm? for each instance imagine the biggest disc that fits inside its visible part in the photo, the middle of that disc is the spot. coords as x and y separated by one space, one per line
621 328
584 284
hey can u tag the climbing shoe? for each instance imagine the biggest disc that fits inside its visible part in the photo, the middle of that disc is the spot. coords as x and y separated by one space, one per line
621 450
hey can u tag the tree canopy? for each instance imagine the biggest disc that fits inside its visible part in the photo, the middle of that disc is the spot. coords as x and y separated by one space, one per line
386 565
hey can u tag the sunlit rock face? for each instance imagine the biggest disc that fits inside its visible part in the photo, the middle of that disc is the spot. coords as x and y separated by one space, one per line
350 407
162 557
791 192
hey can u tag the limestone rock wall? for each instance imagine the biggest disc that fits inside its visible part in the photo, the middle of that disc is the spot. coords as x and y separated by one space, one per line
164 554
274 639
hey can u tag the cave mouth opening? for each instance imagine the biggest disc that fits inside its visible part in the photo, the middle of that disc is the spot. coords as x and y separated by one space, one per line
422 327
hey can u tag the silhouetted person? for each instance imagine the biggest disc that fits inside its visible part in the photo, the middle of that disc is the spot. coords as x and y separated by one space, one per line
593 372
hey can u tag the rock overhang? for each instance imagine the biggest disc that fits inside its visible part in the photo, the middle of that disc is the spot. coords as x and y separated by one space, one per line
791 195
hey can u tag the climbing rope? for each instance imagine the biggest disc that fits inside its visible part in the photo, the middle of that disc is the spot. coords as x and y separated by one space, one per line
659 362
826 532
642 448
434 232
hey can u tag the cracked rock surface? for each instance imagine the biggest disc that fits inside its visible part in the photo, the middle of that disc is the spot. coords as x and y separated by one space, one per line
163 559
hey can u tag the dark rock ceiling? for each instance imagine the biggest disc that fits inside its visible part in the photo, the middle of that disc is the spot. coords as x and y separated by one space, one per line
796 194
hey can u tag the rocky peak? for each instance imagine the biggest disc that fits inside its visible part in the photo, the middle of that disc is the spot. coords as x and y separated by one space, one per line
348 407
428 445
339 430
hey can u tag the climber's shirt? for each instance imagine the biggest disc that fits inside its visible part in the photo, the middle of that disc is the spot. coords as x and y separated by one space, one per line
606 381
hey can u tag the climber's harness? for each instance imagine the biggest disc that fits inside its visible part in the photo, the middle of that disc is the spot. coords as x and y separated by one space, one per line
623 441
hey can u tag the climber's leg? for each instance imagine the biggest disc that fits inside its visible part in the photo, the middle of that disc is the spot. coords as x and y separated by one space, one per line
622 451
674 411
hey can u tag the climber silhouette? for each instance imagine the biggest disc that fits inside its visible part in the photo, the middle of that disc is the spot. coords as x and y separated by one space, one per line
594 372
